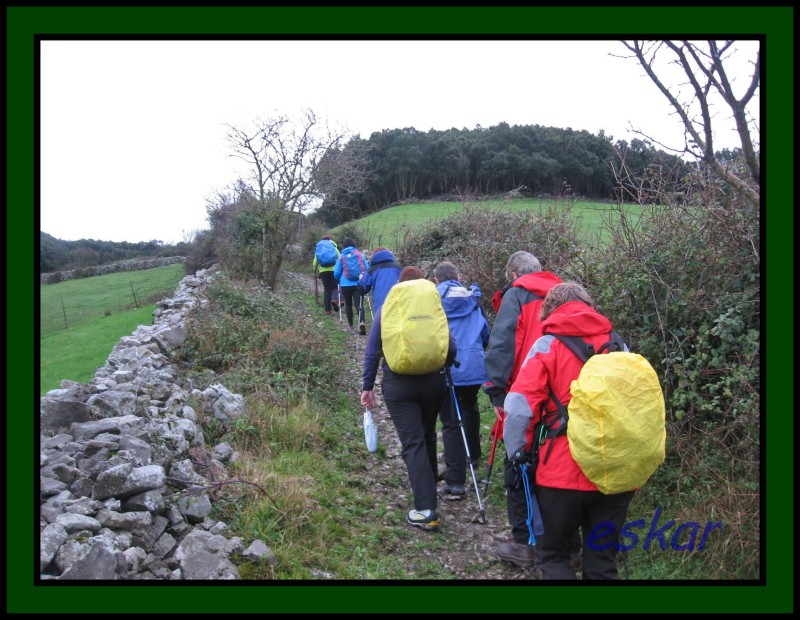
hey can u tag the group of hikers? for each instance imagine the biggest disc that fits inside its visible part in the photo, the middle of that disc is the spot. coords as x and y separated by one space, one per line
346 286
523 369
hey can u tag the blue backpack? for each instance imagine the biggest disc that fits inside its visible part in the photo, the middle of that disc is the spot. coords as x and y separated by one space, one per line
353 264
326 253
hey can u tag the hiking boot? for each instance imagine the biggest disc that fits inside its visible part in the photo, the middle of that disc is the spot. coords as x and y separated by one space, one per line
516 553
327 312
454 491
335 306
427 520
362 329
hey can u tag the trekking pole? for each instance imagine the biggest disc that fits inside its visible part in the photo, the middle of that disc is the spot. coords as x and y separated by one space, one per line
457 409
497 431
358 331
534 517
361 316
371 314
339 301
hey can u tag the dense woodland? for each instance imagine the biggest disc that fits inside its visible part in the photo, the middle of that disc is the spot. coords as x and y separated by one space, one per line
405 164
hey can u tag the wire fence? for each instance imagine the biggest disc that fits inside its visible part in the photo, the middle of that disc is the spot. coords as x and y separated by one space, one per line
64 312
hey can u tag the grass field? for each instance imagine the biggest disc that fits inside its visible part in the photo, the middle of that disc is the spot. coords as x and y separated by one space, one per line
76 353
100 310
74 302
387 227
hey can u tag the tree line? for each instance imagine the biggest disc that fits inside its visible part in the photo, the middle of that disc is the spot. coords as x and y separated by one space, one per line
58 255
404 164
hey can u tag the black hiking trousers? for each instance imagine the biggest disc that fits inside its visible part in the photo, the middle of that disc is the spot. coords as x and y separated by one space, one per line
517 508
455 453
413 402
329 287
599 518
351 295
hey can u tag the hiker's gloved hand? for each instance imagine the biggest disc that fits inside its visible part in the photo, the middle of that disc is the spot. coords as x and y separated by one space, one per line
521 457
518 459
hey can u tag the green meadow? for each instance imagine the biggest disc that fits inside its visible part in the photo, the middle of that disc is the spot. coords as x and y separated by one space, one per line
81 320
388 226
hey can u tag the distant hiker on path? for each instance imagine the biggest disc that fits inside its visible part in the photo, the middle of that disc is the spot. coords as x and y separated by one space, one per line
350 267
325 256
383 274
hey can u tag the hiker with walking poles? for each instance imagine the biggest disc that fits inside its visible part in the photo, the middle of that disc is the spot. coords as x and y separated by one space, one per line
567 499
349 268
381 276
326 254
515 329
410 334
470 328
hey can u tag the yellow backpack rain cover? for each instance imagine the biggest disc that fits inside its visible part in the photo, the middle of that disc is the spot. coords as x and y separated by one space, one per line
414 328
616 428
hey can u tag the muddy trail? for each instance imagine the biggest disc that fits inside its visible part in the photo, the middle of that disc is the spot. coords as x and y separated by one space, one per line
468 537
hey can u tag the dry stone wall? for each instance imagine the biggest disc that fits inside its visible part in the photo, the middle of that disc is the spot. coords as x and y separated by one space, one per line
126 481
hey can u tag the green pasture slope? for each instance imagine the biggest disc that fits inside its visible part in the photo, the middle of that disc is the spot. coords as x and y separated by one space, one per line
388 226
81 320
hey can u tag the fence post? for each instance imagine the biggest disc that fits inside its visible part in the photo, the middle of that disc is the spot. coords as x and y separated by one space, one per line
135 301
64 311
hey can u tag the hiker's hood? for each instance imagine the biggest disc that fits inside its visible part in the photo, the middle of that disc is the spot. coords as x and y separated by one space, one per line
539 282
458 301
382 256
349 248
575 318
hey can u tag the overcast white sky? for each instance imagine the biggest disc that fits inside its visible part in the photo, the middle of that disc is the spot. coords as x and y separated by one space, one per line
132 132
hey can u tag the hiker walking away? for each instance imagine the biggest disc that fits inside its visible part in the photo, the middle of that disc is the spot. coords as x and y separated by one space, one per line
325 264
381 276
567 499
351 266
470 329
413 400
515 329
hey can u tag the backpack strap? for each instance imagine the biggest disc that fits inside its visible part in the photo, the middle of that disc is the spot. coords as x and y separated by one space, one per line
615 343
578 346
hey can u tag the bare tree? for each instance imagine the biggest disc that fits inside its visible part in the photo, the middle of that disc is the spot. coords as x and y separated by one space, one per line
343 174
282 156
704 64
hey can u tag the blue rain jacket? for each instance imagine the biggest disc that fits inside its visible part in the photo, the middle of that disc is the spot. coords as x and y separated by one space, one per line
470 328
